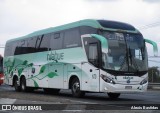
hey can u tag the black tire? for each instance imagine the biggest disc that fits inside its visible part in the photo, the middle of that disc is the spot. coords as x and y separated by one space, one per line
76 92
51 91
113 95
23 84
16 86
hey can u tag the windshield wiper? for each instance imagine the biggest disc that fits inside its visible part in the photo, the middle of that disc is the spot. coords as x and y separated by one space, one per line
125 60
130 55
132 60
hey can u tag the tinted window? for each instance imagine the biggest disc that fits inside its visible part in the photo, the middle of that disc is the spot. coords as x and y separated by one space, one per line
45 42
115 25
21 48
31 45
87 30
10 48
15 48
93 50
72 38
93 53
56 41
7 49
38 42
42 43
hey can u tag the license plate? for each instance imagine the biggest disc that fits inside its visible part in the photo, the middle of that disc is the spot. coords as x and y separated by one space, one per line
128 87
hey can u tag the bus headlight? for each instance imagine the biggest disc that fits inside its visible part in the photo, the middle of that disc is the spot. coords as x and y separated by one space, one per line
107 79
144 81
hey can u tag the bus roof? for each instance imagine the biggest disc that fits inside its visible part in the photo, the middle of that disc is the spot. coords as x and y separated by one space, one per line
100 24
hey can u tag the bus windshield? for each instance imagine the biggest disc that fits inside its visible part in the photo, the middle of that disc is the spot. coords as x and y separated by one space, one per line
126 53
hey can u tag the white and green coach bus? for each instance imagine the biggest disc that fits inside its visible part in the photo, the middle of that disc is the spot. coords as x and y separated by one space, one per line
84 56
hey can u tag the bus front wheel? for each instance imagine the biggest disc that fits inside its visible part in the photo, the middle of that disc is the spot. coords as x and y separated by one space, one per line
113 95
76 92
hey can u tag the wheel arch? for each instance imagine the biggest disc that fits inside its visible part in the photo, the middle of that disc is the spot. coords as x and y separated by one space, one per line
22 76
71 79
14 78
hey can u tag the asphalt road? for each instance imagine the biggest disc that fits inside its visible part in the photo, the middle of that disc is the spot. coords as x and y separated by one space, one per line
91 103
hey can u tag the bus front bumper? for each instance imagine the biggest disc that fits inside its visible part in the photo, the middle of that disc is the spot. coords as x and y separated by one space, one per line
123 88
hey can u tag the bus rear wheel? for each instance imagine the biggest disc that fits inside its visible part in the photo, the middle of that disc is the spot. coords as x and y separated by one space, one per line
23 86
113 95
76 92
16 86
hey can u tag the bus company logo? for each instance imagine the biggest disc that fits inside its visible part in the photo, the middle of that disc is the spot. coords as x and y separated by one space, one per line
128 81
6 107
21 107
128 77
55 56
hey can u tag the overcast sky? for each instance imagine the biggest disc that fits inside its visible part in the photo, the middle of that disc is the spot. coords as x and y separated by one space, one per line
21 17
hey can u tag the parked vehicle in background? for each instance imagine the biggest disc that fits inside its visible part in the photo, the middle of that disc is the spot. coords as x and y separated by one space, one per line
1 78
1 70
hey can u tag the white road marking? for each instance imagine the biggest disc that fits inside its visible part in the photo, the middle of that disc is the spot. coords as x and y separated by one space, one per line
72 110
3 110
7 101
83 102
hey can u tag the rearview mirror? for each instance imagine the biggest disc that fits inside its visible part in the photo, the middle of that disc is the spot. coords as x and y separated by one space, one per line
154 44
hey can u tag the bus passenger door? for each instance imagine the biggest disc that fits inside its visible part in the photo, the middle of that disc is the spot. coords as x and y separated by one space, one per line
91 72
90 77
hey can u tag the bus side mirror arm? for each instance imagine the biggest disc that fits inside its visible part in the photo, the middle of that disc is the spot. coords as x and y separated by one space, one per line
154 44
104 42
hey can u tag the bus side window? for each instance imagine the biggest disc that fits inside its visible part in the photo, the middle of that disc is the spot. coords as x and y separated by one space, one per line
7 49
87 30
15 48
45 40
92 48
31 45
20 47
23 47
38 43
72 38
93 53
56 41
